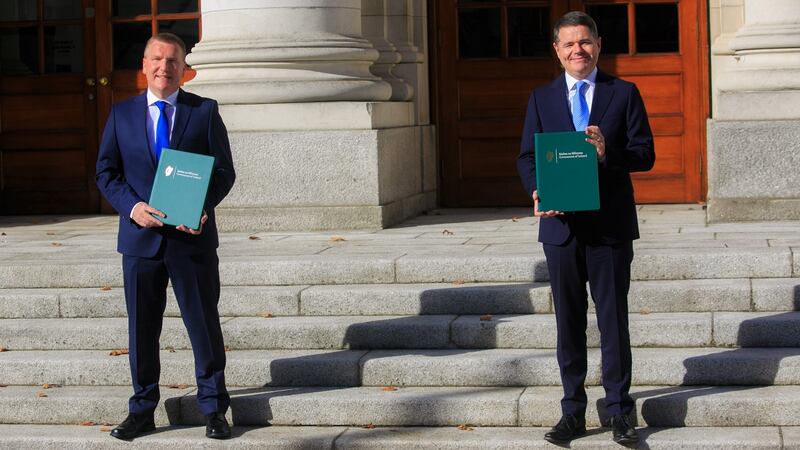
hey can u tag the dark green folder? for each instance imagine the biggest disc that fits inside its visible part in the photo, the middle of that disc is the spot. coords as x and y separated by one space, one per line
180 186
566 172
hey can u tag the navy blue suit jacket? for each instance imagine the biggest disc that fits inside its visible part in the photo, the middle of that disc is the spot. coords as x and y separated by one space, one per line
618 110
126 169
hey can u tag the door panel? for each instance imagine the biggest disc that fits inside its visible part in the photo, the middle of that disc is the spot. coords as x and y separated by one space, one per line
486 69
47 103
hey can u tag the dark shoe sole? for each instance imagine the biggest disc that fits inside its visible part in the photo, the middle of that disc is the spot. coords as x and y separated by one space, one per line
626 440
575 435
134 435
218 436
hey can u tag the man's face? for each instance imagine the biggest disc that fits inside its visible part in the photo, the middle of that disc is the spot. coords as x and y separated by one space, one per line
163 66
577 50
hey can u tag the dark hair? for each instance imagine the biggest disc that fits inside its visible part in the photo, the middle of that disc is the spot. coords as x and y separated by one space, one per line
168 38
574 19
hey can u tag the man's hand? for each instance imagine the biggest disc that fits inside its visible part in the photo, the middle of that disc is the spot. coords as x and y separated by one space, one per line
595 137
186 229
141 215
538 213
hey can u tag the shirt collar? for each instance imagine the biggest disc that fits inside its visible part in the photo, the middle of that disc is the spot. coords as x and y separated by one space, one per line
590 80
171 99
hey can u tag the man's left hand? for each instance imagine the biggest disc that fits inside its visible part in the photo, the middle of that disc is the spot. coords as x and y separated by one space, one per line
595 137
186 229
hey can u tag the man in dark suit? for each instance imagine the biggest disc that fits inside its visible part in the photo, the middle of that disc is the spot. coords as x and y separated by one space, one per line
591 246
153 253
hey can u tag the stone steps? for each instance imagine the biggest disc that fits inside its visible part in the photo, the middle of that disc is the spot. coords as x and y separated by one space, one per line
771 294
74 437
76 270
702 329
489 368
656 406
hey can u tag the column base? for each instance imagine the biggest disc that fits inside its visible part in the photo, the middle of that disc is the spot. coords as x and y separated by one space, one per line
752 170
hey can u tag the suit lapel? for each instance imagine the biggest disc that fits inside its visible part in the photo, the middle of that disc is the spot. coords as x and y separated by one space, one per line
603 93
139 124
182 112
557 96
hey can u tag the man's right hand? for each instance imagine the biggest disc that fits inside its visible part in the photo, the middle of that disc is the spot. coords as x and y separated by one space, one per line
141 215
538 213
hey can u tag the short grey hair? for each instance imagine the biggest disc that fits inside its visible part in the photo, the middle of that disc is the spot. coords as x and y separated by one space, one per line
574 19
167 38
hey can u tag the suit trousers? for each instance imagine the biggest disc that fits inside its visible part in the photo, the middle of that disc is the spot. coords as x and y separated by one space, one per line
607 269
195 281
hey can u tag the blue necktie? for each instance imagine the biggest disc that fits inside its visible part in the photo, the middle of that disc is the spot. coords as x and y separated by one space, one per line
162 130
580 109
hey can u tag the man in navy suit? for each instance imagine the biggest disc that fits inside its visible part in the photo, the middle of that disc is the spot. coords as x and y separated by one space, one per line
153 253
591 246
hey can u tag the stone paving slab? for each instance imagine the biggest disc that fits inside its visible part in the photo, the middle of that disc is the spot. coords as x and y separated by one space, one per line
383 299
691 406
773 329
73 405
776 294
524 367
71 437
350 269
339 332
367 405
539 331
468 269
676 264
244 368
518 438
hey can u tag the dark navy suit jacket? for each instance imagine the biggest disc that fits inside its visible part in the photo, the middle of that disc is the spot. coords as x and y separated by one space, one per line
618 110
126 169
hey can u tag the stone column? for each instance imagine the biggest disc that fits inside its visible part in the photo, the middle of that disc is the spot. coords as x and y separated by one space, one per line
754 142
315 141
277 51
375 24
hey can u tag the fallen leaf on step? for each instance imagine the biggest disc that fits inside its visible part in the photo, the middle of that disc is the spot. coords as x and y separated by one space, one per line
3 349
644 311
369 426
50 233
170 349
3 385
486 317
3 234
447 232
254 238
465 427
389 388
56 244
50 386
337 239
266 315
87 423
459 281
227 348
119 352
178 386
106 428
105 288
515 219
41 394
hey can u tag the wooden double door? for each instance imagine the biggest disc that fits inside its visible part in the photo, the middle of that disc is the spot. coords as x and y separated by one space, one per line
492 53
62 64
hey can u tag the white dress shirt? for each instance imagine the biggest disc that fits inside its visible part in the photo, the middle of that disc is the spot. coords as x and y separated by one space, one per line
589 93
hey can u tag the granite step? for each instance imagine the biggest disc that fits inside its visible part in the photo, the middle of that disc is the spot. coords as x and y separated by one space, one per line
656 406
74 270
723 329
489 368
772 294
74 437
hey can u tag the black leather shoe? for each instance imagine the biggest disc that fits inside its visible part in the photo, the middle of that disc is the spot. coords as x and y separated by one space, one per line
134 425
624 432
217 426
567 429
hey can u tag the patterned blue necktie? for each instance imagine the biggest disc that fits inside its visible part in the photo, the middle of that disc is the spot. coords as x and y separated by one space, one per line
580 109
162 130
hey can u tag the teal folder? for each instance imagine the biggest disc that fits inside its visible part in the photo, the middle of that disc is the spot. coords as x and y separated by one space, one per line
566 172
180 186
